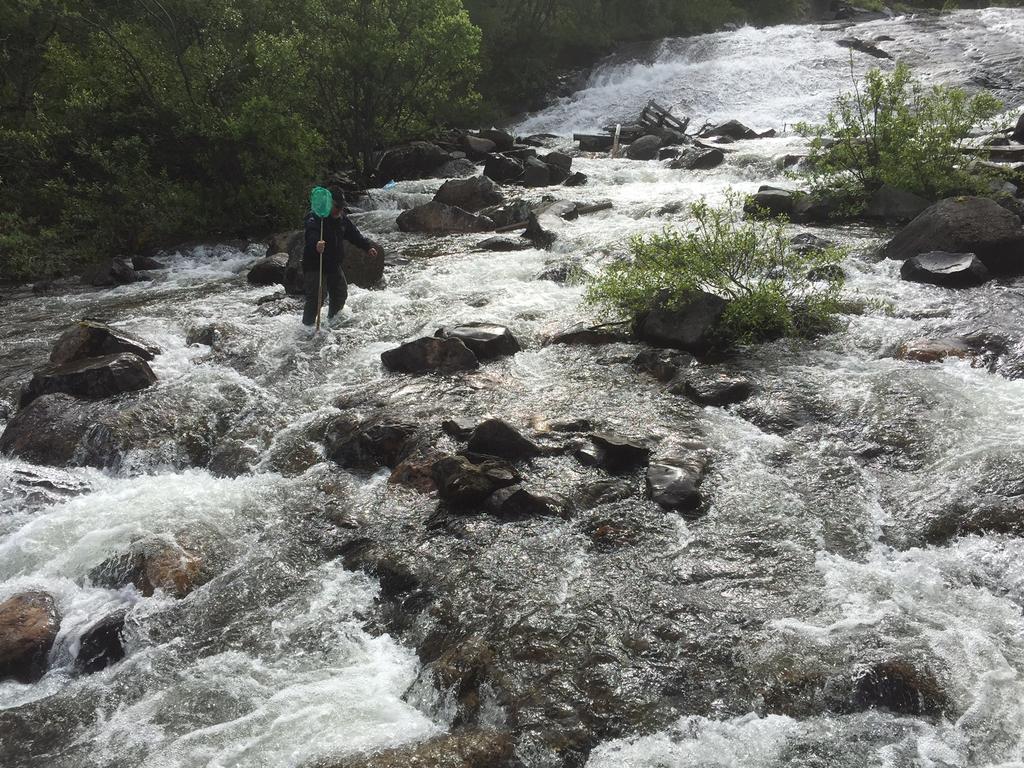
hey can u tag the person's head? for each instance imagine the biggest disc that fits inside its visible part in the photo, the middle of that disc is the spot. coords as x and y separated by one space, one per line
339 202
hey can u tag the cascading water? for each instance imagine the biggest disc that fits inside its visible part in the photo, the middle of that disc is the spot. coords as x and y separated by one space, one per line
814 561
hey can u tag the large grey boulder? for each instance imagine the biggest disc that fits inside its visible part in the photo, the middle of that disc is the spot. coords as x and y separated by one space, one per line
93 378
269 270
893 204
975 225
690 325
698 159
730 129
436 218
950 270
496 437
417 160
503 169
90 338
472 194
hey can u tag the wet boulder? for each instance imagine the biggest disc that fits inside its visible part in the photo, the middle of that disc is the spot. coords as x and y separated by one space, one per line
462 483
503 245
664 365
472 194
863 46
536 231
361 268
48 431
93 378
589 336
949 270
896 686
477 147
730 129
502 140
496 437
269 270
1018 132
90 338
717 390
472 748
576 179
417 160
674 483
806 243
486 341
436 218
118 271
614 453
690 325
458 168
699 159
975 225
101 645
29 623
519 503
430 355
368 445
797 206
503 169
147 264
536 173
644 148
153 564
893 204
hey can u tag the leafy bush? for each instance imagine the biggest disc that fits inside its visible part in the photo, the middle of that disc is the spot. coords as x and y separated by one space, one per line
773 290
891 130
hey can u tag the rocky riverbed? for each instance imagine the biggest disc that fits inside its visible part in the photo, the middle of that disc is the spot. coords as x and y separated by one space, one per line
228 543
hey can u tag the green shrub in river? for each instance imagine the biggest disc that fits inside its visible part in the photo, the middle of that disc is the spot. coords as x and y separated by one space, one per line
772 288
890 130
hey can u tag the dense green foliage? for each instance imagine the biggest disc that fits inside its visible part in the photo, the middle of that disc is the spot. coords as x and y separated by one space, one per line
130 124
891 130
773 289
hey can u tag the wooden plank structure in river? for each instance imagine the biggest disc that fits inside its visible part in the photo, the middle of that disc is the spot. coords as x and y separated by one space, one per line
654 119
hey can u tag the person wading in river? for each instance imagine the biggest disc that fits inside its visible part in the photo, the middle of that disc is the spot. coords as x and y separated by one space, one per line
337 228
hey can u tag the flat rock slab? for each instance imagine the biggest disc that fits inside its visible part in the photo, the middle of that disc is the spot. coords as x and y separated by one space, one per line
949 270
93 378
486 340
28 626
430 355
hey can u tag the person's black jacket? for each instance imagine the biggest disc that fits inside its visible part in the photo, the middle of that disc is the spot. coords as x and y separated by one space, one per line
335 232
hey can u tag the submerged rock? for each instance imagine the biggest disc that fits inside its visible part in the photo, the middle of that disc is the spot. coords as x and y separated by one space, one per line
975 225
102 644
153 564
674 483
462 483
496 437
473 748
715 390
926 350
614 454
950 270
430 355
90 338
590 336
699 159
368 445
439 219
487 341
29 623
731 129
93 378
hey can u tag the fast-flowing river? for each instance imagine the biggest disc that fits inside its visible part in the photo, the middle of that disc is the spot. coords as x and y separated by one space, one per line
817 556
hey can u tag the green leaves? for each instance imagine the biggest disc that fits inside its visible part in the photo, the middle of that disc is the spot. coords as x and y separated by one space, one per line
891 130
773 289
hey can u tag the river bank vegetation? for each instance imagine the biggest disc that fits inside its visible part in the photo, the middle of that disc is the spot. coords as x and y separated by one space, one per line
129 126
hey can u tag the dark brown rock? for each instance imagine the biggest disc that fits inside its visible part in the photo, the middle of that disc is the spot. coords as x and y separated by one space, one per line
101 645
269 270
517 503
153 564
496 437
439 219
949 270
368 445
713 390
503 169
675 483
486 341
461 483
93 378
644 148
614 453
430 355
28 626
